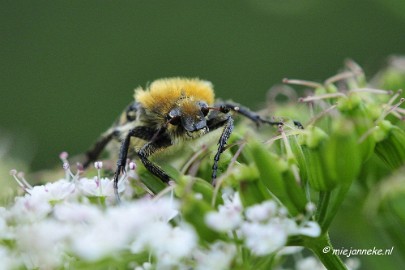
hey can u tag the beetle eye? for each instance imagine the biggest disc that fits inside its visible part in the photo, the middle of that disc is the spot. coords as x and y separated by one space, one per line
173 117
204 108
175 120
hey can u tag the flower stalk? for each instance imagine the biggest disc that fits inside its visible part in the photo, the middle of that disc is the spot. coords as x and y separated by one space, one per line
323 249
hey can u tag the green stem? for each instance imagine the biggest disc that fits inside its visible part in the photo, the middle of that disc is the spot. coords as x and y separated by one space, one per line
335 204
323 249
322 208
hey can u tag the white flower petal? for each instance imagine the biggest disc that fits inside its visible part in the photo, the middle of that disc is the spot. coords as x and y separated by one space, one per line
311 229
218 257
263 239
261 212
225 220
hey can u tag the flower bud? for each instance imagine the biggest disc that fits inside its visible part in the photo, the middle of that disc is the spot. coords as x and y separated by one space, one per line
269 170
98 165
341 153
295 194
299 156
391 145
392 78
314 137
355 110
253 192
132 165
313 144
331 88
350 104
276 176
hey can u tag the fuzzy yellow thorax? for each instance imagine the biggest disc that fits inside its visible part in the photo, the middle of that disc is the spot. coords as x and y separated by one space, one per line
161 95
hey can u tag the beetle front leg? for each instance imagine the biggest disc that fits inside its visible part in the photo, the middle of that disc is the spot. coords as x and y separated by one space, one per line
256 118
226 133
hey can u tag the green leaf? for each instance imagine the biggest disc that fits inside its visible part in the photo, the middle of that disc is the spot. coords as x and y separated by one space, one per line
153 183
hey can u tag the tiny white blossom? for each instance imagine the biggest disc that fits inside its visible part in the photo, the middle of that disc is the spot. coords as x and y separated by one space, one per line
264 239
59 190
111 231
97 241
168 244
310 228
132 165
78 213
7 260
30 208
64 155
225 220
3 224
218 257
261 212
96 187
98 165
198 196
44 243
145 266
309 263
310 207
130 225
233 201
52 192
228 217
353 263
289 250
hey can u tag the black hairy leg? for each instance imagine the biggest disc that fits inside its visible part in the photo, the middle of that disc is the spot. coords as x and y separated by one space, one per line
157 140
256 118
94 152
147 150
215 120
226 133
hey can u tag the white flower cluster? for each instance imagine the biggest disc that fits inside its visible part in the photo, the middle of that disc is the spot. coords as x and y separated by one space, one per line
59 224
264 228
53 223
56 224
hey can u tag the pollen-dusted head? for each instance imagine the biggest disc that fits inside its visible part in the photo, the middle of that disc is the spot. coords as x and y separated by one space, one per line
188 116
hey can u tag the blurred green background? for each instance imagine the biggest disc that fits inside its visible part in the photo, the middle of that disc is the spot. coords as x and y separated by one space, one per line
70 67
